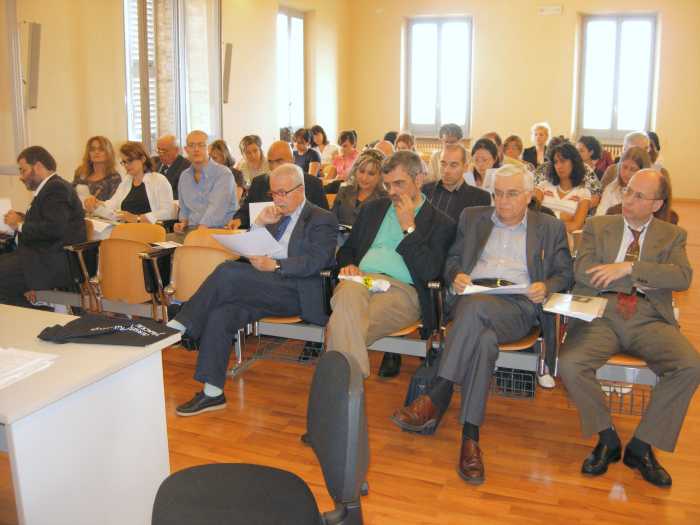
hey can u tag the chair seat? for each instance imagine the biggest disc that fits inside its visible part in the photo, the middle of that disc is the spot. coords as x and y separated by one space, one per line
282 320
235 494
626 360
408 330
522 344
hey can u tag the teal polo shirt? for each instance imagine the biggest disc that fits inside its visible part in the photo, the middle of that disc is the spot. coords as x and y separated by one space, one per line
382 256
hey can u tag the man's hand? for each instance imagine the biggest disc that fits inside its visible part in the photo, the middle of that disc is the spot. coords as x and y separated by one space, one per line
350 270
125 216
13 219
263 263
461 281
537 292
269 215
404 212
604 274
179 227
91 203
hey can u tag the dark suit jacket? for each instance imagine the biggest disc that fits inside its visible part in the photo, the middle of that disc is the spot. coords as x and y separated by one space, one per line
548 256
452 203
662 267
530 155
311 249
260 186
54 219
423 251
174 170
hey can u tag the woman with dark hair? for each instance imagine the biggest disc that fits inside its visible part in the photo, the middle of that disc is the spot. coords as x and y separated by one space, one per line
305 157
344 161
405 141
632 160
591 151
320 143
219 153
98 170
253 162
483 164
143 196
564 191
364 184
654 148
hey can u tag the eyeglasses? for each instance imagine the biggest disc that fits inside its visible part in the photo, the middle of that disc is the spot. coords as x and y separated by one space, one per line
510 194
126 162
636 195
196 145
282 193
276 161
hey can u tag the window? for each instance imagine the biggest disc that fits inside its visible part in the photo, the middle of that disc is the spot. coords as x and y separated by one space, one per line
438 74
290 69
173 71
617 75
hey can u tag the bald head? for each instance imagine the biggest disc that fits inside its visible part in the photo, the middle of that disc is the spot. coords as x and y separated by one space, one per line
279 153
385 147
644 195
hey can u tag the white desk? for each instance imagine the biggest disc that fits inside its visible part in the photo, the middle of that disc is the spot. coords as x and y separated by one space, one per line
87 437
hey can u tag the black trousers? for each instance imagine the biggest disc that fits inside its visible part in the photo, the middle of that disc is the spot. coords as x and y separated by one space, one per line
12 281
234 295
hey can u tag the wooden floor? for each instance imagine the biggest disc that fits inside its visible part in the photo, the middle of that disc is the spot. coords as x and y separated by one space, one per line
532 448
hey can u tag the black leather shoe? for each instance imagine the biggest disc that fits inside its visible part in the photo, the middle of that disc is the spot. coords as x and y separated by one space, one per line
597 462
201 403
311 351
649 467
391 365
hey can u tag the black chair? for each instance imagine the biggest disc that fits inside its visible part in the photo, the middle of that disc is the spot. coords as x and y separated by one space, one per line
237 493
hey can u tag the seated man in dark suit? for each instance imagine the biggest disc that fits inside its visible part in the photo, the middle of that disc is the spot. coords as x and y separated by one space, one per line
635 261
170 161
237 293
279 153
54 219
451 194
506 242
402 239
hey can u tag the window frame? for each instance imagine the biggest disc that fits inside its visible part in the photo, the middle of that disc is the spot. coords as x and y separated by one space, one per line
426 130
612 134
291 13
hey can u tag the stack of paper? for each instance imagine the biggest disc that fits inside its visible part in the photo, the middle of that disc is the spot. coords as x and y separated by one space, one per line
255 242
513 289
5 206
16 365
579 306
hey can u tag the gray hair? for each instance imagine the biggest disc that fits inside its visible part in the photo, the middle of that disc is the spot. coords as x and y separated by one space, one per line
169 138
290 170
510 170
634 138
408 160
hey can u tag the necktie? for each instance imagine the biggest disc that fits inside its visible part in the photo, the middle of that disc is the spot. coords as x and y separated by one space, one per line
281 227
164 169
627 303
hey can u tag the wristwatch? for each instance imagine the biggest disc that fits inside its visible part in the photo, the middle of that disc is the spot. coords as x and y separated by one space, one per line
409 230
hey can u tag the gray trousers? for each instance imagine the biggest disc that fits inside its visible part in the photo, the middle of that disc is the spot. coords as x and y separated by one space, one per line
648 336
479 324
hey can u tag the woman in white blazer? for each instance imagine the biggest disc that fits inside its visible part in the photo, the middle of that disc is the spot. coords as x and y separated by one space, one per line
144 195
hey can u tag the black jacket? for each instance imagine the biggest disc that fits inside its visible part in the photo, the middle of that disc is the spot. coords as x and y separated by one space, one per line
54 219
530 155
423 251
451 203
173 172
260 186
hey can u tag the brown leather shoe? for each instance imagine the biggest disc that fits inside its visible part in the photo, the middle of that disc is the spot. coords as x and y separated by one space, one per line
471 466
420 416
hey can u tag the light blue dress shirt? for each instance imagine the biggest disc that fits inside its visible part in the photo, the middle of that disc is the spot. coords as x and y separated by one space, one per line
212 201
504 256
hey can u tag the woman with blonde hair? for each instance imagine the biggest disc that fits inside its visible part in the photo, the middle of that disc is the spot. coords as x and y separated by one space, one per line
253 162
364 184
98 170
535 154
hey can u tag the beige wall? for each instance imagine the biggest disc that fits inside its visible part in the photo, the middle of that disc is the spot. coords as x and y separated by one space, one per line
523 68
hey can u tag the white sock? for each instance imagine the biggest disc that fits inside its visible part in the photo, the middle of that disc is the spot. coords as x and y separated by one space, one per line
212 391
177 325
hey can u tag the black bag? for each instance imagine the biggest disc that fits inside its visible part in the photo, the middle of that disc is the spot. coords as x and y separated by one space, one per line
102 330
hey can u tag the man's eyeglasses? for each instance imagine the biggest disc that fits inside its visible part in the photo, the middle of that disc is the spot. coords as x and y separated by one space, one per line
282 193
636 195
510 194
195 145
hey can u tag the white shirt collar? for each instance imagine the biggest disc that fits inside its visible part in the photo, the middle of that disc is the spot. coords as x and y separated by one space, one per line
43 182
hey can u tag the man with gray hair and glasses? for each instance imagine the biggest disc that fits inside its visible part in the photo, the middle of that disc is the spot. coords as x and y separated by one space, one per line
495 245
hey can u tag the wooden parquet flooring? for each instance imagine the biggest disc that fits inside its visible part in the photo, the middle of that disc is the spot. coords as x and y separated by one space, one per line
532 448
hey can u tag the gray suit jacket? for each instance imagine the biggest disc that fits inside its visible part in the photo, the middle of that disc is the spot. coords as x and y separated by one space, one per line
662 267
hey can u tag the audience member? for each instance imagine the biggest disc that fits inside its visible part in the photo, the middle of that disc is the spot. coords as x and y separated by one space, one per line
535 154
449 134
405 141
219 152
279 153
364 185
237 294
343 161
635 261
54 219
206 189
401 239
633 138
169 161
98 170
390 136
386 147
253 162
591 151
451 194
632 160
307 158
513 150
484 158
507 242
654 149
143 195
496 139
322 146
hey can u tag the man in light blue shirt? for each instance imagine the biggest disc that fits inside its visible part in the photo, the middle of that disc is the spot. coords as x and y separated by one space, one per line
207 190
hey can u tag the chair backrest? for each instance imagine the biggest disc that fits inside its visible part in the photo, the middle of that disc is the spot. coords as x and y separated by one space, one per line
121 271
203 237
192 265
337 425
139 232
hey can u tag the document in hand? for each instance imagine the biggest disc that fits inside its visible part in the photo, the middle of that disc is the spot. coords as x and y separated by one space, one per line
254 242
513 289
578 306
5 206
